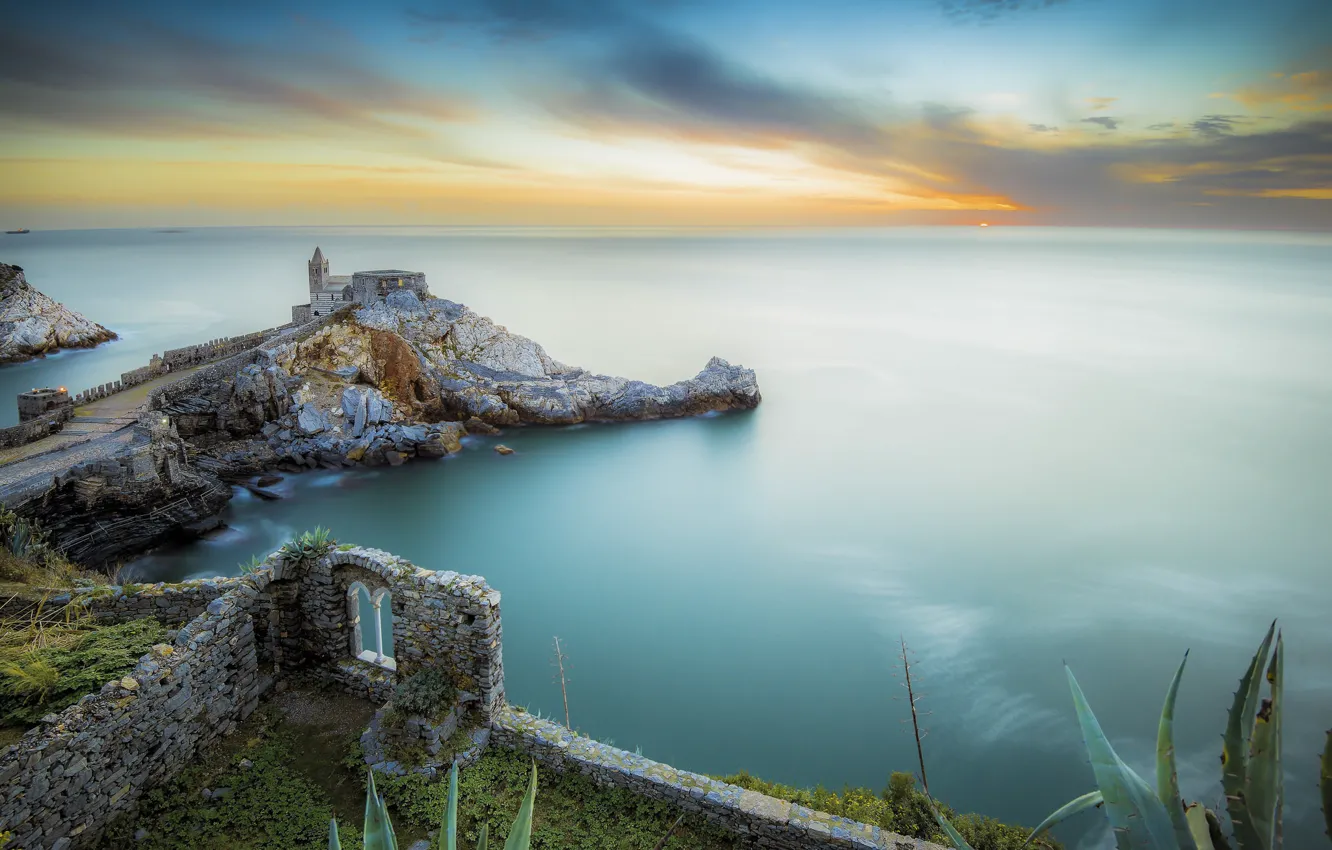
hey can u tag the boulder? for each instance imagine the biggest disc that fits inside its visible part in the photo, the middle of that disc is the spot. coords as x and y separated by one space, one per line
311 420
477 426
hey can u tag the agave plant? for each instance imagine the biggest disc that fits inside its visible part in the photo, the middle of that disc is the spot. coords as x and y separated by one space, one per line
308 544
379 829
1143 818
1325 783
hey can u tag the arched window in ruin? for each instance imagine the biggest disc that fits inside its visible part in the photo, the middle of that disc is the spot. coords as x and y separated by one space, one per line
371 616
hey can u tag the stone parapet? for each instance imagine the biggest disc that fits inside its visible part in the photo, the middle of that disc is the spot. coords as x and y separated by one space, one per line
768 821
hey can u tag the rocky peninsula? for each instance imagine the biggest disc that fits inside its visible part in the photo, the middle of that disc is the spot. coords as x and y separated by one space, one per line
404 378
409 377
33 324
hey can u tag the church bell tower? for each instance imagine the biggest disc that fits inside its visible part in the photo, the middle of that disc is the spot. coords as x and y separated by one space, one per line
318 271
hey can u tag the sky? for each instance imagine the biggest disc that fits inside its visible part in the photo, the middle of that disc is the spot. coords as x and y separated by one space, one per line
1143 113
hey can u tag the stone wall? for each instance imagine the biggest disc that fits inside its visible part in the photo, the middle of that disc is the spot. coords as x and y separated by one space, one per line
768 821
64 781
35 429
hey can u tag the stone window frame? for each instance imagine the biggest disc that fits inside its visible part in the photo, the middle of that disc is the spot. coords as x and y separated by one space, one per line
359 651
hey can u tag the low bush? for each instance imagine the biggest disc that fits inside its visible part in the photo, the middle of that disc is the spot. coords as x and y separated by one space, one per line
428 693
55 670
900 807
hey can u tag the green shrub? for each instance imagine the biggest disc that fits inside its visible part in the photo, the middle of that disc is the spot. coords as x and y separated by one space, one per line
427 693
900 807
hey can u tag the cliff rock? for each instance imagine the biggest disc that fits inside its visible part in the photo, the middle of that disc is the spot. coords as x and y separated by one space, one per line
438 360
32 324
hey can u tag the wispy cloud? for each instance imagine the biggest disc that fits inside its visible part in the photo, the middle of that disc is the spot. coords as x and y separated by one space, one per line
1104 120
985 11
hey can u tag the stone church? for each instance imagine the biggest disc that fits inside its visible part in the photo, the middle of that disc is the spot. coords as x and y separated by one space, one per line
328 292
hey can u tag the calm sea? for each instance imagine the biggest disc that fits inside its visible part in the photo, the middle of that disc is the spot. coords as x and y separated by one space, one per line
1011 447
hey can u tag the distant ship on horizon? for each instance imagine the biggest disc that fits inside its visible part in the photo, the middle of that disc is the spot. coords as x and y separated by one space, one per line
20 230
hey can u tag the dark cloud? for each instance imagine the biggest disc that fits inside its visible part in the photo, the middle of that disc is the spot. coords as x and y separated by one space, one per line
1104 120
1041 128
1168 125
175 83
520 19
1215 126
657 79
983 11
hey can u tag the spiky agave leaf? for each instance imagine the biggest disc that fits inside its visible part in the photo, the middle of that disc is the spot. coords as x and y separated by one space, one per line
1235 748
378 828
1137 817
1204 828
957 840
448 833
954 837
1167 775
1263 782
520 834
1325 783
483 837
1090 800
333 843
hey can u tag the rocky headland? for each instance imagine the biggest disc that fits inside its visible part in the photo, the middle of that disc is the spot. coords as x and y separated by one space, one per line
409 378
32 324
380 385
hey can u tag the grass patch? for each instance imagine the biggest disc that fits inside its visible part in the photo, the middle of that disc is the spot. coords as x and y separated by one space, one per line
572 812
50 666
270 802
900 807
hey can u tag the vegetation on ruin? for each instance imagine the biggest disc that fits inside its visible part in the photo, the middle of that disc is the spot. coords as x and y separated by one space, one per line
47 665
308 545
259 799
428 693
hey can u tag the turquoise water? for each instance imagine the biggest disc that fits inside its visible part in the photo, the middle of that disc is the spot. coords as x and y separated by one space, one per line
1013 447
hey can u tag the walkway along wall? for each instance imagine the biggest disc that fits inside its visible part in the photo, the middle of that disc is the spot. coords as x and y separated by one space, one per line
173 360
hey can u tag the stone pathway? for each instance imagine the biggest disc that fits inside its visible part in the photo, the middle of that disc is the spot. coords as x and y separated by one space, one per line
98 430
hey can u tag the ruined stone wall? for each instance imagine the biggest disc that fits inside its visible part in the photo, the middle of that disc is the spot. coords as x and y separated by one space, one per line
768 821
169 603
65 780
439 619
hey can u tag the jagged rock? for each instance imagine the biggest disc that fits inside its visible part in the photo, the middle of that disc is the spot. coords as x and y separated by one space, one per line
32 324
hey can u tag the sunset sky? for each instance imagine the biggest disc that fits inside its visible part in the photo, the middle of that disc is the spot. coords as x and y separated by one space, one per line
1158 113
